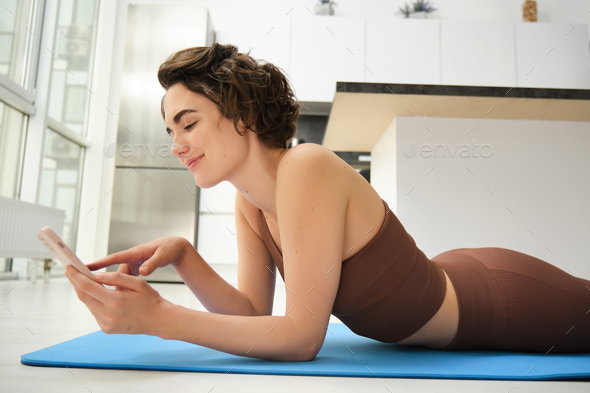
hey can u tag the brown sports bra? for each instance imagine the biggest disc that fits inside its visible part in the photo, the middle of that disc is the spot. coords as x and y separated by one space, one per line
388 290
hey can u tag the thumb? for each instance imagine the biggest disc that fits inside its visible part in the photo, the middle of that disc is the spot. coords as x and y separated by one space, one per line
145 269
151 264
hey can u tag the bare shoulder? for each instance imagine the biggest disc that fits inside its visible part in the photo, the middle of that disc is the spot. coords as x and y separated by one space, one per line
333 177
309 151
310 157
316 160
332 186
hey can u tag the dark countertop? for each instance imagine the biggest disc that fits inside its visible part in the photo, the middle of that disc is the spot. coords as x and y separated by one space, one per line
361 112
456 90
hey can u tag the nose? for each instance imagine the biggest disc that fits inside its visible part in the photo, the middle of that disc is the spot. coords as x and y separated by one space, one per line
180 150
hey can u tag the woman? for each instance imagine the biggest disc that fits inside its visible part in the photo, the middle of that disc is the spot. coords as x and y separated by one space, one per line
338 247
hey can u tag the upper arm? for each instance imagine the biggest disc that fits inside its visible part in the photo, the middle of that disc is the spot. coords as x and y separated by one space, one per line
256 269
311 207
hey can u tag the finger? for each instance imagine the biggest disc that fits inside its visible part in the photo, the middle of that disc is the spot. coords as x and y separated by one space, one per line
92 303
122 281
132 270
101 263
88 286
127 256
94 306
125 269
132 256
71 270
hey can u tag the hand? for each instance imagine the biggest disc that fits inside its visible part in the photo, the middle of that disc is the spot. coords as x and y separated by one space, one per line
145 258
136 308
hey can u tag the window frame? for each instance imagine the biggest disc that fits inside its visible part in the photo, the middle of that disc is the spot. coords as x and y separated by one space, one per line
11 93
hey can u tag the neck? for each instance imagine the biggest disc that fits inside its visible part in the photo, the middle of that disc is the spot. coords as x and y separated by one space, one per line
256 179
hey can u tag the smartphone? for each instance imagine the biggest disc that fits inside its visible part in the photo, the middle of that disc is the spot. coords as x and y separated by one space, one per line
62 252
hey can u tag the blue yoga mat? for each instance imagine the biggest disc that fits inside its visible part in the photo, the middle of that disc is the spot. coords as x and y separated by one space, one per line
344 354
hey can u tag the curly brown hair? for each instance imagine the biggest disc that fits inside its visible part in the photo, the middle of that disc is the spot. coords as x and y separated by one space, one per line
243 89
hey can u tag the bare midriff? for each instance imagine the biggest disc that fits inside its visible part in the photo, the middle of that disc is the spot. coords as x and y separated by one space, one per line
440 331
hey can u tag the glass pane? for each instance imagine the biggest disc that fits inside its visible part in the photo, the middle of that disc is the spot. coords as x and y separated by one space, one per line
69 94
15 37
59 184
11 136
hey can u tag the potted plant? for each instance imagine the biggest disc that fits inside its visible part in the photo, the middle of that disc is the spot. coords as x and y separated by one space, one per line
325 7
417 10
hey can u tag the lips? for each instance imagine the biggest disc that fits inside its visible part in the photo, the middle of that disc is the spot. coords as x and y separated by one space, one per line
189 162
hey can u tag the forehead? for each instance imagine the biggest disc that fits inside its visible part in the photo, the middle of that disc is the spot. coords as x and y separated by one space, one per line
180 98
177 95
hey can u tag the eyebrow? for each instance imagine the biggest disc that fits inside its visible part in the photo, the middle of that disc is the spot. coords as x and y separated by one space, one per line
179 116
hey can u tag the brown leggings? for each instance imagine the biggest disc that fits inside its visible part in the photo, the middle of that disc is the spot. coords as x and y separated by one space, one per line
510 301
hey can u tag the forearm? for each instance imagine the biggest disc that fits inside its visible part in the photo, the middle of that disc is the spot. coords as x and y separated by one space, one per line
214 293
264 337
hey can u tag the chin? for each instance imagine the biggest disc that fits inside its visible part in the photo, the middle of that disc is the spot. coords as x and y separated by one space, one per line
205 185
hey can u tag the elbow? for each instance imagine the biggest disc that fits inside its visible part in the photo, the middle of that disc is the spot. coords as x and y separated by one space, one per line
309 356
302 353
303 345
310 352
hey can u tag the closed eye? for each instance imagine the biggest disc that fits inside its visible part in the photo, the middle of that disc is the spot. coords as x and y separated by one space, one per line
169 131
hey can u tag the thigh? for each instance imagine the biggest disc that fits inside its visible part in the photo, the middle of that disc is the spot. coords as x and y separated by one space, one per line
546 308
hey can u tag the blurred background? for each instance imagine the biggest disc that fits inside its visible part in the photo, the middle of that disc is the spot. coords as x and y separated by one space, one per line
80 125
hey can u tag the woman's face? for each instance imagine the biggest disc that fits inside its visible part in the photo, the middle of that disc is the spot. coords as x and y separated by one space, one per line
198 129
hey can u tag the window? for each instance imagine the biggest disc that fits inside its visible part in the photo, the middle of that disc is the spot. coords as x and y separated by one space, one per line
12 123
18 22
69 101
69 94
15 37
73 24
59 183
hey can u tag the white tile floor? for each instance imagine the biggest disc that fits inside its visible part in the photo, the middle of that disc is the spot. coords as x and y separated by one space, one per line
34 316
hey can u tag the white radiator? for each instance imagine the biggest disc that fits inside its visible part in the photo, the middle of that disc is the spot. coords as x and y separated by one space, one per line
19 223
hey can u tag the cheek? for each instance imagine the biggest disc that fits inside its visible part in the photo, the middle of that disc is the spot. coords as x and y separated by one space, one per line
194 143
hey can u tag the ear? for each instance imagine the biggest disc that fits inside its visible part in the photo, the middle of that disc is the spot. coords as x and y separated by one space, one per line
162 107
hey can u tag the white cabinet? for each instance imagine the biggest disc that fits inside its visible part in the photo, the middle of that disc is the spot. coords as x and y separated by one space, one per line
217 241
325 49
477 53
403 51
552 55
316 51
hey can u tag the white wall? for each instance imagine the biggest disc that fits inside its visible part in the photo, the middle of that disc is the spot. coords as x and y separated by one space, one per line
384 166
530 194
